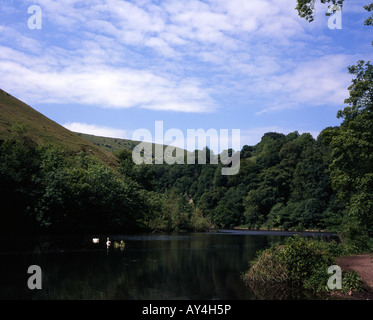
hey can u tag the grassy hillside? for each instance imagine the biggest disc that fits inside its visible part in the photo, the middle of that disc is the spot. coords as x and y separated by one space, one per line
109 144
43 130
115 144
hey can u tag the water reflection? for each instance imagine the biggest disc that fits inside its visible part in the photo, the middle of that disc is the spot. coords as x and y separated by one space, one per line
187 266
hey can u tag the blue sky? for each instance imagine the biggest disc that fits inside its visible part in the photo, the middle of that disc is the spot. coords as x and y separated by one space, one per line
110 67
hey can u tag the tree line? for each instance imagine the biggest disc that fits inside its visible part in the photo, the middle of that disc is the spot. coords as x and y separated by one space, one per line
294 181
46 189
288 181
291 181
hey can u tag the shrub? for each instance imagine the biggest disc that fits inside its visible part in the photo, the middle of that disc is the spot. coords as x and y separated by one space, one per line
268 267
354 236
299 260
351 281
304 256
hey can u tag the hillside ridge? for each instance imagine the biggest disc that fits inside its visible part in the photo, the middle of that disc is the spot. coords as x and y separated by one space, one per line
43 130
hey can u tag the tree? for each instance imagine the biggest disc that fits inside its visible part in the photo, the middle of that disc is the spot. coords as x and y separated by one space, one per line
352 148
258 204
268 148
229 210
352 144
246 152
369 21
306 9
19 165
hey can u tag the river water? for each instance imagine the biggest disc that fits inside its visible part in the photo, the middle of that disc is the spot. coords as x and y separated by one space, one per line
151 266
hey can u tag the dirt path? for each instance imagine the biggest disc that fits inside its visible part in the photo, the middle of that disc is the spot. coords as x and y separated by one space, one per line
363 265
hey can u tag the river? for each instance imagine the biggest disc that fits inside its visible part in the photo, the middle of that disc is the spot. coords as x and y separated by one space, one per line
151 266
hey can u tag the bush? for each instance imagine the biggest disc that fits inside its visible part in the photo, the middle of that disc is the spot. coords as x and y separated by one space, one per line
268 267
305 256
351 281
300 261
354 236
317 281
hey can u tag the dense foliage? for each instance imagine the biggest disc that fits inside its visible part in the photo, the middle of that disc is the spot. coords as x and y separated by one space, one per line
351 168
283 182
294 181
43 189
291 181
300 262
297 261
288 181
306 9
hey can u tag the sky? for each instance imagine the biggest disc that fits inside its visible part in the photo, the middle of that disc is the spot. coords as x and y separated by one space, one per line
111 67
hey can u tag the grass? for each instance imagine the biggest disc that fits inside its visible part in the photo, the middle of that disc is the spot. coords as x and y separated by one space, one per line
301 262
109 144
116 144
15 113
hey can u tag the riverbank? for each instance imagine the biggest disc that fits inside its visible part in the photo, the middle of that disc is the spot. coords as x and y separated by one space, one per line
363 265
281 230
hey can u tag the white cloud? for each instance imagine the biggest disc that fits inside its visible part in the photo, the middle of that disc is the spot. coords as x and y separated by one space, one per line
315 82
104 86
170 55
97 130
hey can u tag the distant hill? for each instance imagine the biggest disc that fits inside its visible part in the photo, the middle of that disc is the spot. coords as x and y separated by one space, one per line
109 144
116 144
43 130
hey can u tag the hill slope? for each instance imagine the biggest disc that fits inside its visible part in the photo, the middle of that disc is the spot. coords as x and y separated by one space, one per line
109 144
116 144
43 130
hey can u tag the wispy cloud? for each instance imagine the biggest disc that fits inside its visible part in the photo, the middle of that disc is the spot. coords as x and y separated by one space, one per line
322 81
98 130
100 85
170 55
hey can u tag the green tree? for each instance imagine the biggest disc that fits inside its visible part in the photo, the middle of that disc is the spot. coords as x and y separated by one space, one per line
352 148
229 211
351 144
259 203
19 188
267 150
306 8
209 200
